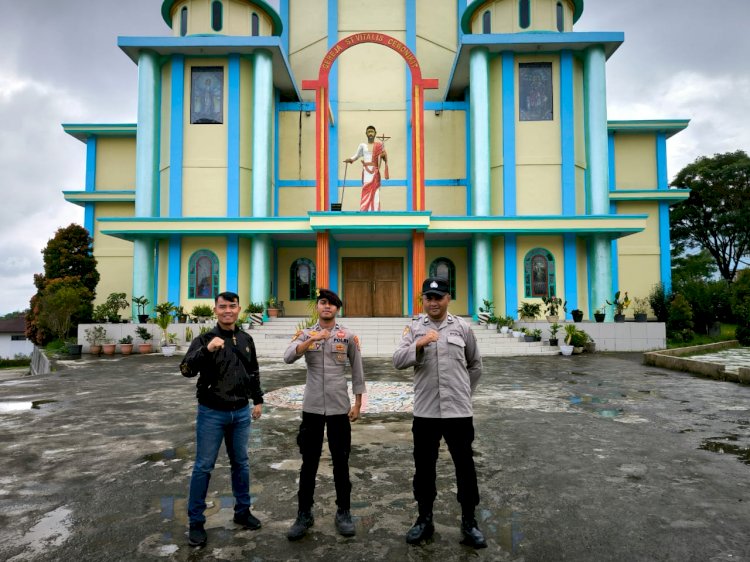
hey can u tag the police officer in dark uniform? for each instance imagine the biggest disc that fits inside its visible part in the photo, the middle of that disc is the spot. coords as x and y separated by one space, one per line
447 366
327 347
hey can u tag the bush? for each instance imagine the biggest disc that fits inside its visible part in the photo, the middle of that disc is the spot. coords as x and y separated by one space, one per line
680 321
709 301
659 300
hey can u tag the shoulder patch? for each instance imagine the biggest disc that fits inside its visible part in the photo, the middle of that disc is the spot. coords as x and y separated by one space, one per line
356 342
407 329
296 335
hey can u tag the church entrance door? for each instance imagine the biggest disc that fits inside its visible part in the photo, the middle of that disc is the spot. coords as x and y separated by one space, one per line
373 287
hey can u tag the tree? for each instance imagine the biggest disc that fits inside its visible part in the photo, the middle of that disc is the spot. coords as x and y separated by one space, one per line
67 258
60 301
716 216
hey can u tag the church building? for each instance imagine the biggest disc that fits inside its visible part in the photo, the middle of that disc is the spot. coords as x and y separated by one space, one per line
283 146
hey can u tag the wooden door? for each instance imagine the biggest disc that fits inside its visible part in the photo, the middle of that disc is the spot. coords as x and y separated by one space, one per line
373 287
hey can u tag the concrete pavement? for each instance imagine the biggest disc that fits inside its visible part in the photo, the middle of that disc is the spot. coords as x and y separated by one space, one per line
591 457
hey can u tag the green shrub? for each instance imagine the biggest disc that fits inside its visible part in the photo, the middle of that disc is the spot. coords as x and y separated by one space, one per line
680 321
659 300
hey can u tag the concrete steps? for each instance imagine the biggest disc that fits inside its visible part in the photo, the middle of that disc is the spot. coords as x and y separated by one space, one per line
380 336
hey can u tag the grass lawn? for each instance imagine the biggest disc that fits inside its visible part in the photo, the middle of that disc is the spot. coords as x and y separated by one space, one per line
727 333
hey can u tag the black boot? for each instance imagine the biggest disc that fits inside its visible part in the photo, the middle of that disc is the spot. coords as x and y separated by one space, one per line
197 535
472 535
299 528
422 530
344 524
247 520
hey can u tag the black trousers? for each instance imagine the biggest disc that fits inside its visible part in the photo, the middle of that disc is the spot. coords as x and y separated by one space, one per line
310 441
459 435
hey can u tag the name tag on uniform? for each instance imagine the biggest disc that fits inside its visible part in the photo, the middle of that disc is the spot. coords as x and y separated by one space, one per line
340 340
339 347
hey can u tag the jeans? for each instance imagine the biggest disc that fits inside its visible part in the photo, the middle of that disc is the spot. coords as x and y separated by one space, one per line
211 427
459 435
310 441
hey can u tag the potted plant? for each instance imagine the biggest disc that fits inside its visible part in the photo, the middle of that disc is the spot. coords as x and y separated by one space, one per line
505 323
96 336
486 311
202 312
536 333
164 312
188 336
271 307
108 347
528 335
552 304
254 312
180 314
578 340
640 309
620 304
567 347
109 311
553 329
126 345
528 311
169 346
577 315
492 322
599 314
145 336
141 303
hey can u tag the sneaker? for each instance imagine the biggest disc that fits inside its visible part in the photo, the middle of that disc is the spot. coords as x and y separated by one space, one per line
472 535
197 535
422 530
343 521
247 520
299 528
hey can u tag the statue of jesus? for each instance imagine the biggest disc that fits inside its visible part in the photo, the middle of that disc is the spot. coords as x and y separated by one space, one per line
372 153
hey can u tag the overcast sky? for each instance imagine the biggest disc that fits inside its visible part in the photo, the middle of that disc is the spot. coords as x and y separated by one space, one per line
682 59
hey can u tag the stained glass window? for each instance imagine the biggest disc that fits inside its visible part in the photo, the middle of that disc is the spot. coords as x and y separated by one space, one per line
535 91
443 267
539 274
301 280
203 275
207 95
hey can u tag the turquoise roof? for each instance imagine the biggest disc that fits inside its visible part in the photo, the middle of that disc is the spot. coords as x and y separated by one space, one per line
476 4
166 9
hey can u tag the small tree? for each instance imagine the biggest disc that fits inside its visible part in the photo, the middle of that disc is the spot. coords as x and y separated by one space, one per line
56 308
680 322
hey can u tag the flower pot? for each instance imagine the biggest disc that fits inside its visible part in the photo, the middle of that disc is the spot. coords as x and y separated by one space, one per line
144 348
577 350
553 341
577 315
566 349
517 334
640 317
143 318
168 350
108 348
246 326
126 348
553 318
599 316
529 339
619 318
95 349
504 329
492 327
589 347
273 312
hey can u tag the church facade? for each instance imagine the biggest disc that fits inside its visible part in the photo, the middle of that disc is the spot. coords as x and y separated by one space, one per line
504 174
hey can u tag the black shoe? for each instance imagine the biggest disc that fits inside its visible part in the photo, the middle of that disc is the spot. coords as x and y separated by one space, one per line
247 520
197 535
472 535
344 524
299 528
422 530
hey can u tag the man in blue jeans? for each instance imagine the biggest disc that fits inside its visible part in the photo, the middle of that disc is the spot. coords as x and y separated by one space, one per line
228 367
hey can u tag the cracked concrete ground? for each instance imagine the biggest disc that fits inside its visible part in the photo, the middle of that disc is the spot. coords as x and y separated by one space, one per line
579 458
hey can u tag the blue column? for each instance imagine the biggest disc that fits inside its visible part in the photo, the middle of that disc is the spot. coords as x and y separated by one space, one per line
509 135
595 107
570 256
88 209
665 249
482 252
334 161
510 243
233 258
147 169
479 114
233 137
176 151
567 134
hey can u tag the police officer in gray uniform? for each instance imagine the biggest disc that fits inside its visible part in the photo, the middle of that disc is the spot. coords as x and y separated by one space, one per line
447 366
326 347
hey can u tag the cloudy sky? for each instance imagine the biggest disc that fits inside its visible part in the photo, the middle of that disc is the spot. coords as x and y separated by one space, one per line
60 63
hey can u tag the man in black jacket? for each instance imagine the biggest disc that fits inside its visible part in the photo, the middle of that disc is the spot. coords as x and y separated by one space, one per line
228 367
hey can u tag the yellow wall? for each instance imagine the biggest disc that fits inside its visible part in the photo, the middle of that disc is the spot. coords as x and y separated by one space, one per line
114 256
308 40
386 16
286 257
459 257
504 15
638 253
297 201
115 163
246 136
635 161
236 18
437 25
446 200
297 146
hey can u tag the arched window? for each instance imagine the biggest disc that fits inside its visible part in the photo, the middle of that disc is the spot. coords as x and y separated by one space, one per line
524 13
486 22
183 21
539 274
254 25
443 267
203 275
560 21
217 14
301 280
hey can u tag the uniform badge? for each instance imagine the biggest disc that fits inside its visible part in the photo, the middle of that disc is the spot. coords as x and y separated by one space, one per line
340 334
296 335
341 357
247 350
356 342
407 329
312 333
340 347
